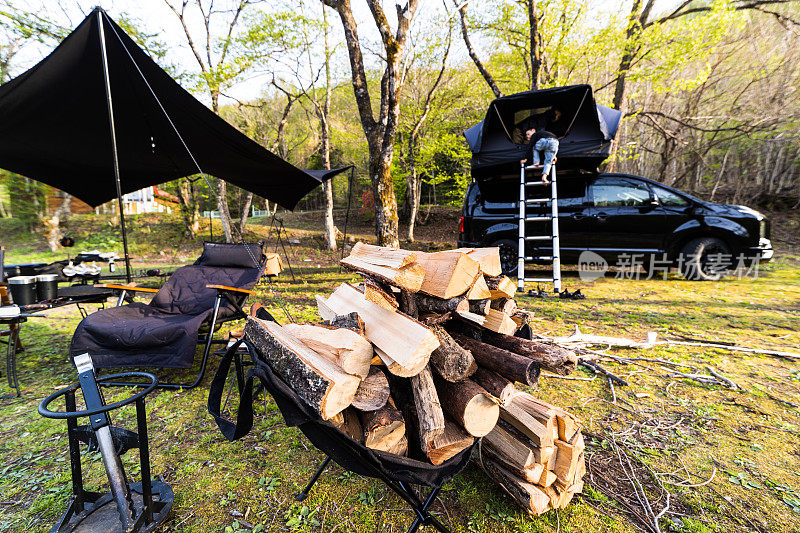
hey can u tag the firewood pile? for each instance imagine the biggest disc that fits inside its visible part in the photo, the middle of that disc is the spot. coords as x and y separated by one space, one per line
420 360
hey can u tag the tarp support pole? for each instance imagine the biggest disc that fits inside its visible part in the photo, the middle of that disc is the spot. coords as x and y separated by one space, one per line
114 144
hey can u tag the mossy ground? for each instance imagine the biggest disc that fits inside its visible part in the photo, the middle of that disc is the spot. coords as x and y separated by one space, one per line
674 430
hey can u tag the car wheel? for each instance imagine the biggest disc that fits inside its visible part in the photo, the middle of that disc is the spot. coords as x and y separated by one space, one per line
509 256
705 259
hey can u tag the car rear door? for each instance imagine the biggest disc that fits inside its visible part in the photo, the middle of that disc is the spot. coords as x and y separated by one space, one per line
625 218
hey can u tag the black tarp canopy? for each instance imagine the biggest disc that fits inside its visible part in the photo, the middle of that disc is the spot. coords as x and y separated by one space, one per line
54 126
585 128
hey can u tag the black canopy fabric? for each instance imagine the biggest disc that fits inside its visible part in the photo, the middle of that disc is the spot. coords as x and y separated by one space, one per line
55 126
585 128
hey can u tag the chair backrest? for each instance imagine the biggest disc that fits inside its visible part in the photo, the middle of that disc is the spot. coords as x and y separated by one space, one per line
232 265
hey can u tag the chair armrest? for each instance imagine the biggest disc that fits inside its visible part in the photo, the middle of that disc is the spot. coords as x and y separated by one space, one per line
130 288
231 289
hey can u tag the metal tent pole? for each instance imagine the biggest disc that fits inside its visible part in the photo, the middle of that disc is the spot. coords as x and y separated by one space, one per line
114 142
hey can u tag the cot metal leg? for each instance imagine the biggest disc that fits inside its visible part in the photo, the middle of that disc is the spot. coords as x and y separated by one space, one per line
423 518
11 362
300 496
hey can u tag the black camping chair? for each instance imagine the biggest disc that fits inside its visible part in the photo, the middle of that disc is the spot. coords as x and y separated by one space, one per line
194 302
398 473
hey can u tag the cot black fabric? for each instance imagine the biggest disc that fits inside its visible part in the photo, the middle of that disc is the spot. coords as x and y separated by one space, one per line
164 332
348 453
245 255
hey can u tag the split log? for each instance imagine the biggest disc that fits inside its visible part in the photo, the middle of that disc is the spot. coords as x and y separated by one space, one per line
528 496
396 368
539 433
494 384
568 426
469 405
479 307
542 455
383 428
404 400
430 304
506 305
479 290
531 474
552 358
404 340
508 364
373 392
375 294
500 287
567 460
429 408
320 383
514 451
348 423
447 274
350 350
494 320
409 277
453 441
382 255
488 258
432 319
401 448
450 360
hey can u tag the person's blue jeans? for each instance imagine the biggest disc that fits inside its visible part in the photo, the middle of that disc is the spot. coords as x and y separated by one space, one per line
550 148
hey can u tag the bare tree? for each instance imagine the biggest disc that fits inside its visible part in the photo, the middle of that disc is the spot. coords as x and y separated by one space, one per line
380 132
462 11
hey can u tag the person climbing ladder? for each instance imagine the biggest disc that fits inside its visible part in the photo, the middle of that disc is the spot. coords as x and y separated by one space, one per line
541 141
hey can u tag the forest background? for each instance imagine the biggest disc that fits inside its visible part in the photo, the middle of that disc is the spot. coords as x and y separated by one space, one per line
709 91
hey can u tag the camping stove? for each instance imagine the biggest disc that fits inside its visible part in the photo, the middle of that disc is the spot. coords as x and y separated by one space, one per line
128 507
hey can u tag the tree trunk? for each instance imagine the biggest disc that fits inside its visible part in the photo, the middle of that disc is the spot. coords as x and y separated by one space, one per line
224 213
330 226
412 182
248 201
190 210
535 48
462 10
53 224
386 219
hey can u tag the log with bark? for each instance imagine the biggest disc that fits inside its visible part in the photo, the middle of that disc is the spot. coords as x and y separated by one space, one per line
508 364
450 443
494 384
382 255
429 409
479 307
469 405
431 304
322 384
373 391
348 423
493 320
500 287
450 360
551 358
527 495
506 305
383 428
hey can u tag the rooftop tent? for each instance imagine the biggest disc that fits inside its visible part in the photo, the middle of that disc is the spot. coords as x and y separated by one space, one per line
55 125
585 128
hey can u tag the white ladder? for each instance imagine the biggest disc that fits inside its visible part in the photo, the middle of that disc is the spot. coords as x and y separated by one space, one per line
524 201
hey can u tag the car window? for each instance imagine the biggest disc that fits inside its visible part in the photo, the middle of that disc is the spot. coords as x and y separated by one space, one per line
620 194
668 198
571 192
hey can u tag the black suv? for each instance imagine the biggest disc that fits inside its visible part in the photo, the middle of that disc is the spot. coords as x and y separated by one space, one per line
619 216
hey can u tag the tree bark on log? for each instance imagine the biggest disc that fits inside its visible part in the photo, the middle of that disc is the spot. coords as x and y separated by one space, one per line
528 496
383 428
469 405
495 384
551 358
480 307
508 364
506 305
431 304
372 392
429 408
450 360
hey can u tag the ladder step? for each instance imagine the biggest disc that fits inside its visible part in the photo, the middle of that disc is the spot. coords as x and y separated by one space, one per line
537 200
541 280
540 258
540 238
538 219
537 183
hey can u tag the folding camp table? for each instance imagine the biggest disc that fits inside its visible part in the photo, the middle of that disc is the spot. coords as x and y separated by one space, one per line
76 294
398 473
